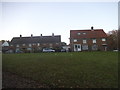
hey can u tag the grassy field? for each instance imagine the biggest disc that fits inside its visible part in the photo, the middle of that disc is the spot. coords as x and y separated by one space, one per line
74 69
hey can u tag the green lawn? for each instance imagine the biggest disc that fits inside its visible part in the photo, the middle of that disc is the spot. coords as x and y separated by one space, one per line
74 69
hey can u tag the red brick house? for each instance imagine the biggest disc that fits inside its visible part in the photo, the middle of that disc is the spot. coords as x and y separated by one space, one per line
88 40
35 43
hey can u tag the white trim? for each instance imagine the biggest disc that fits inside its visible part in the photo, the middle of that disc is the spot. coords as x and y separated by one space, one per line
103 39
77 47
84 41
94 40
104 44
75 40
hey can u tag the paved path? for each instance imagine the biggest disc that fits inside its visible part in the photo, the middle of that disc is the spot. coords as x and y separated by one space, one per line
10 80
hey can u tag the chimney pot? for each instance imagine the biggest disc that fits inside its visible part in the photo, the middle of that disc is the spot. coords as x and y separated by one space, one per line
92 27
31 35
52 34
41 34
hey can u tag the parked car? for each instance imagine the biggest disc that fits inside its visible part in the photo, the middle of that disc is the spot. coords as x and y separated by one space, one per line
19 52
48 50
115 50
63 50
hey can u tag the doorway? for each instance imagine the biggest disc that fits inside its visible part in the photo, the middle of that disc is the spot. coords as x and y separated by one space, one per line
77 47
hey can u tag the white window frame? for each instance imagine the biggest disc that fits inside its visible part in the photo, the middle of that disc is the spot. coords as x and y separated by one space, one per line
17 45
84 33
94 40
30 45
75 40
78 33
38 44
23 44
84 41
103 39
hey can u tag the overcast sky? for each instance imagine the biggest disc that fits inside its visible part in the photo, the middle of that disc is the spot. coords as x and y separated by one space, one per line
45 18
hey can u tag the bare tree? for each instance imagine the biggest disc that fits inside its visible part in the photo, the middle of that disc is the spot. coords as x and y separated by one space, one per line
119 39
112 40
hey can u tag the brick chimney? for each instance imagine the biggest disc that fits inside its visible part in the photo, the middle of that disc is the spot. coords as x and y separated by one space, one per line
92 28
20 36
52 34
31 35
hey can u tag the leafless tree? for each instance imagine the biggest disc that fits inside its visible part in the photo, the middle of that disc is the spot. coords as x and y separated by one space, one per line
113 40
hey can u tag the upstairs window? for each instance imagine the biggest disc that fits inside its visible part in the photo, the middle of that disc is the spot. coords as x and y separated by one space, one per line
84 33
94 40
84 41
78 33
103 39
23 44
38 44
84 47
75 40
17 45
30 45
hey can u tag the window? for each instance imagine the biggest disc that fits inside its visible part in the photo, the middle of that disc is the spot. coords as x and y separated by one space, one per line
30 45
38 44
84 47
84 41
94 47
94 40
84 33
23 44
17 45
29 49
75 40
103 39
78 33
17 50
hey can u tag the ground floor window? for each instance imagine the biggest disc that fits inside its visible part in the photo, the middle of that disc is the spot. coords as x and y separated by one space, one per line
29 49
84 47
94 47
17 49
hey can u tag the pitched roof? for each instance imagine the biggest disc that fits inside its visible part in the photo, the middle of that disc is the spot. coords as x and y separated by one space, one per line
36 39
95 33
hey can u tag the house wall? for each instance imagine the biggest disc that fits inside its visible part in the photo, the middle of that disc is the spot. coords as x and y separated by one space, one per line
101 44
35 47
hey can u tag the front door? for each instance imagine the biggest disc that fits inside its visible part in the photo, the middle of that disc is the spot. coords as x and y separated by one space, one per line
77 47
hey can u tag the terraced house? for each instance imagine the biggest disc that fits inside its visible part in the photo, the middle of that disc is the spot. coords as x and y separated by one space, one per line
35 43
88 40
